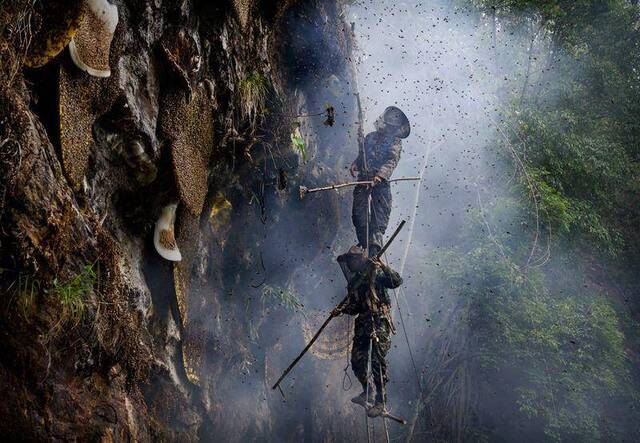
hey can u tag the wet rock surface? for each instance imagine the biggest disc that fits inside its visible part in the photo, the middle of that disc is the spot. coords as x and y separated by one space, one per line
101 338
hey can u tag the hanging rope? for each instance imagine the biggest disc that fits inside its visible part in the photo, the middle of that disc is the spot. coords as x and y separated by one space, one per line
406 337
366 397
404 328
369 214
366 169
384 407
346 377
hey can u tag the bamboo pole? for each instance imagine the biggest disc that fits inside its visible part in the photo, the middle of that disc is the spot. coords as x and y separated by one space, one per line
304 190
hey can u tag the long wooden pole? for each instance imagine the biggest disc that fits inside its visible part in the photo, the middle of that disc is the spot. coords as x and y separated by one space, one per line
331 316
304 190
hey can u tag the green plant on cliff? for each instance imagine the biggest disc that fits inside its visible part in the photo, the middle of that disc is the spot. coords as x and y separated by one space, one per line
22 290
253 94
27 292
297 141
288 300
71 295
68 296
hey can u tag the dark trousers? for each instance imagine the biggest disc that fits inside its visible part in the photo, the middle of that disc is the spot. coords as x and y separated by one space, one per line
380 211
380 348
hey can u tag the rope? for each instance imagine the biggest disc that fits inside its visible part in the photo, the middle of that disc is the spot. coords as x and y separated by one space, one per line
346 375
404 328
384 407
374 338
368 217
366 402
406 337
366 172
382 387
366 398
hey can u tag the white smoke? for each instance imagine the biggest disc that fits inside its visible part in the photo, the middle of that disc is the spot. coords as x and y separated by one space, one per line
436 61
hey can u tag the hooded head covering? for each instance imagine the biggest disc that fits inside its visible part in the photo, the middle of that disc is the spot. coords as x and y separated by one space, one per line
349 261
396 120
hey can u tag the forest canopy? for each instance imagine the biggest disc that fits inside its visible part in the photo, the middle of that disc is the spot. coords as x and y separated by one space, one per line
551 302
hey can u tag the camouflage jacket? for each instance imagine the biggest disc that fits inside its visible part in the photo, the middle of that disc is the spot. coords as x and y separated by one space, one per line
382 152
371 297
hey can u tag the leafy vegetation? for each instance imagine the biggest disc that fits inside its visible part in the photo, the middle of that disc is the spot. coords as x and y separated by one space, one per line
23 290
71 295
552 319
297 142
253 94
285 299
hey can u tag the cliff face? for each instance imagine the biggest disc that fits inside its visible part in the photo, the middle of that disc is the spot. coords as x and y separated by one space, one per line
208 107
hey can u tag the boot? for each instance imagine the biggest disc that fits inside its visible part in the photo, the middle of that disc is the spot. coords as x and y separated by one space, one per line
360 399
377 409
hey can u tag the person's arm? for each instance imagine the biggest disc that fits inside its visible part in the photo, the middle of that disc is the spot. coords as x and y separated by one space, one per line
350 307
393 157
389 278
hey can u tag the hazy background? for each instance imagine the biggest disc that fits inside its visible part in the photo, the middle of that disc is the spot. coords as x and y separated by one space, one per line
504 311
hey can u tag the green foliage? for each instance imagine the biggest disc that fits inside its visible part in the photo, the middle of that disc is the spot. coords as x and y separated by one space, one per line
71 295
283 298
579 172
68 296
557 348
23 290
553 339
561 346
577 131
556 207
253 93
297 142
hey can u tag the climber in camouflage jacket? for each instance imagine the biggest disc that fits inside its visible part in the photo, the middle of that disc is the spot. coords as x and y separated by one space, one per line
369 301
376 162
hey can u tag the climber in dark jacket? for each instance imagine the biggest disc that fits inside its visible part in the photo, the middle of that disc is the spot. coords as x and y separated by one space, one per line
376 163
370 302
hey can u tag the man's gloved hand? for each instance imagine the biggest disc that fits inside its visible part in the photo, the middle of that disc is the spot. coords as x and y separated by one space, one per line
353 170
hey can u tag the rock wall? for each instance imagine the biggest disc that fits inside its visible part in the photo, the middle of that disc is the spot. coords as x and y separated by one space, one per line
103 339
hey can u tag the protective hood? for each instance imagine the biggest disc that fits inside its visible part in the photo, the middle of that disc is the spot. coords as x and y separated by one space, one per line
394 118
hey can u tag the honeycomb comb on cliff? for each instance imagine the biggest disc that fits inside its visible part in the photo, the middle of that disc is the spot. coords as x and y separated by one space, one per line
187 236
335 342
189 125
76 121
243 10
220 214
89 48
80 99
60 21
